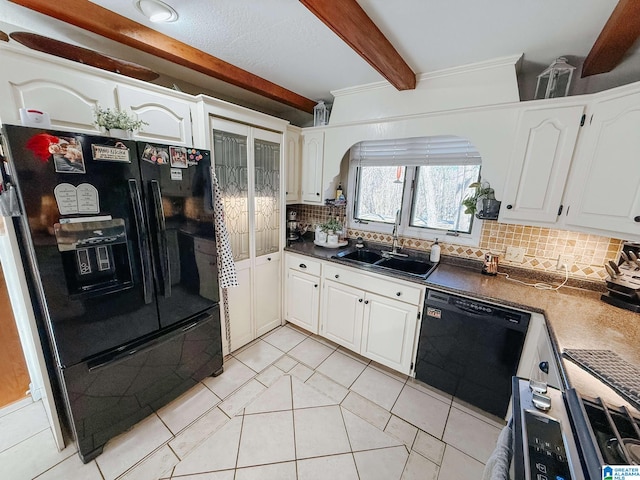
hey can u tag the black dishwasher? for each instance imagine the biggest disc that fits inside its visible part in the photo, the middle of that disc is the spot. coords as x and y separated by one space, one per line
470 349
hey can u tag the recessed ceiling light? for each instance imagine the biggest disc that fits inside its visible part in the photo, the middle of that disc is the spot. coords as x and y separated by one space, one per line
156 10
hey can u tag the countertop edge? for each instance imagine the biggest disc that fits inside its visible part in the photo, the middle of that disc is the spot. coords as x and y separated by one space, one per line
555 307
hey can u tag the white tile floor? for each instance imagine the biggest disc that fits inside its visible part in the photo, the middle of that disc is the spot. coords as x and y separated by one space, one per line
288 406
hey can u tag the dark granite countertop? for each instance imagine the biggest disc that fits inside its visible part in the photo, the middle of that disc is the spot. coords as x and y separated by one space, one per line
576 317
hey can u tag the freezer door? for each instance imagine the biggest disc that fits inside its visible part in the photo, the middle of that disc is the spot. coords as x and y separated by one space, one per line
177 188
110 393
83 239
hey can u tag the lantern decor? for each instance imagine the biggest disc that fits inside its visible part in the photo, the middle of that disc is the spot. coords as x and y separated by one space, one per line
320 114
555 80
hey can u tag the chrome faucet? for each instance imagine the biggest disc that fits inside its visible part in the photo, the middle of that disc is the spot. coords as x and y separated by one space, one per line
395 246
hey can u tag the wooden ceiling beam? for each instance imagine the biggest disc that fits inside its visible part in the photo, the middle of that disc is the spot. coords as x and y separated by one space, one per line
106 23
618 35
350 22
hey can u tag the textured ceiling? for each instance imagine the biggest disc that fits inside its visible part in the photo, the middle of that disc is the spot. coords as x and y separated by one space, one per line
282 41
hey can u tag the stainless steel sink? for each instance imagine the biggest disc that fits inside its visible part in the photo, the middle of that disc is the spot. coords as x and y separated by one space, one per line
410 266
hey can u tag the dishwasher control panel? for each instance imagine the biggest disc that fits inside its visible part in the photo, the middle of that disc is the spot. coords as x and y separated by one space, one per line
435 299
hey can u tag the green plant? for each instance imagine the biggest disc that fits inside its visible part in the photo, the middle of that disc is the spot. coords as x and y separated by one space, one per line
332 224
119 119
481 190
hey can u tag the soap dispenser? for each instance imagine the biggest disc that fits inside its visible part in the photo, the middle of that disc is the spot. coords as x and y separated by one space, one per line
435 252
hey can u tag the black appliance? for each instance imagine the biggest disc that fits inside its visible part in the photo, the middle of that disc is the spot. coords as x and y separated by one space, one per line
118 245
576 439
470 349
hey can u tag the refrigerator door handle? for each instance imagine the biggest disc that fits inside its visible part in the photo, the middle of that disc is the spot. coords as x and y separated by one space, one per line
143 246
163 248
125 352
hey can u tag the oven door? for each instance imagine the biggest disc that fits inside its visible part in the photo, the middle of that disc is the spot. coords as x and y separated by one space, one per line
543 442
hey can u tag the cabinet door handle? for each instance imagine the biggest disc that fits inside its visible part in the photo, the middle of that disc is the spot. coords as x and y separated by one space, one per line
366 302
398 294
315 285
337 276
636 219
302 265
317 194
509 207
269 259
360 300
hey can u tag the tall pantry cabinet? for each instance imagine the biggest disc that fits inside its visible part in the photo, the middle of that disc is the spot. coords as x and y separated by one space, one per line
248 164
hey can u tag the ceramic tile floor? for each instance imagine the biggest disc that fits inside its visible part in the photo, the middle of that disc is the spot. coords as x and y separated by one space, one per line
288 406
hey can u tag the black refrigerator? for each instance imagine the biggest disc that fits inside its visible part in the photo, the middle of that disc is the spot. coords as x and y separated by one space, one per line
118 244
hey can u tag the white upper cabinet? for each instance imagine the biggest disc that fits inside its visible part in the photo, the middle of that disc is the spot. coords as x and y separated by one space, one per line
544 145
604 188
292 161
312 158
69 96
168 117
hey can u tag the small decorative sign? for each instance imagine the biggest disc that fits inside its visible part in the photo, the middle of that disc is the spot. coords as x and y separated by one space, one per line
80 199
106 153
87 198
66 198
176 174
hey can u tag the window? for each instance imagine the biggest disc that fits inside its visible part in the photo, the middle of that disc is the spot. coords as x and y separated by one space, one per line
425 178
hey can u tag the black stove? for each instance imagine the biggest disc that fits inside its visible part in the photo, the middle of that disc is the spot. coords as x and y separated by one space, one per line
574 439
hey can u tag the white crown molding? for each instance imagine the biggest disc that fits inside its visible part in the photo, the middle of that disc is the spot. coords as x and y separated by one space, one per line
510 60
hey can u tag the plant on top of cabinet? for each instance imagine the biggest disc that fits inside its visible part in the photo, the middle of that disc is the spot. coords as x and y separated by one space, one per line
111 119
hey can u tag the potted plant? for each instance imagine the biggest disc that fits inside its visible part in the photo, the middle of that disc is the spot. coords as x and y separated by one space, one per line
482 191
332 224
117 122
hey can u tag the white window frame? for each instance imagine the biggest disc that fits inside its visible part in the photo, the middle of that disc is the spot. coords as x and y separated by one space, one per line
404 228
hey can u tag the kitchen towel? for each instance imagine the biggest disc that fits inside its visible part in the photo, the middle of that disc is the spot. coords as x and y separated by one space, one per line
226 266
497 467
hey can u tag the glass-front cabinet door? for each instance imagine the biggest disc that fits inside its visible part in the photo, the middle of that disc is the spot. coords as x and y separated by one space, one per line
267 192
230 157
248 163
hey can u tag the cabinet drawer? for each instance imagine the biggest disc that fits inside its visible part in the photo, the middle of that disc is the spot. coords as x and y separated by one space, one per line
374 283
304 264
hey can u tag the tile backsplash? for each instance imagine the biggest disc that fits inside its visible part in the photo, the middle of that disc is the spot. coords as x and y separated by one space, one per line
542 245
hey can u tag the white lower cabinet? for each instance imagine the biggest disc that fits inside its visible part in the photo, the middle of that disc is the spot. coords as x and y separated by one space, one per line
371 315
242 331
377 327
388 332
302 291
267 291
303 300
343 309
